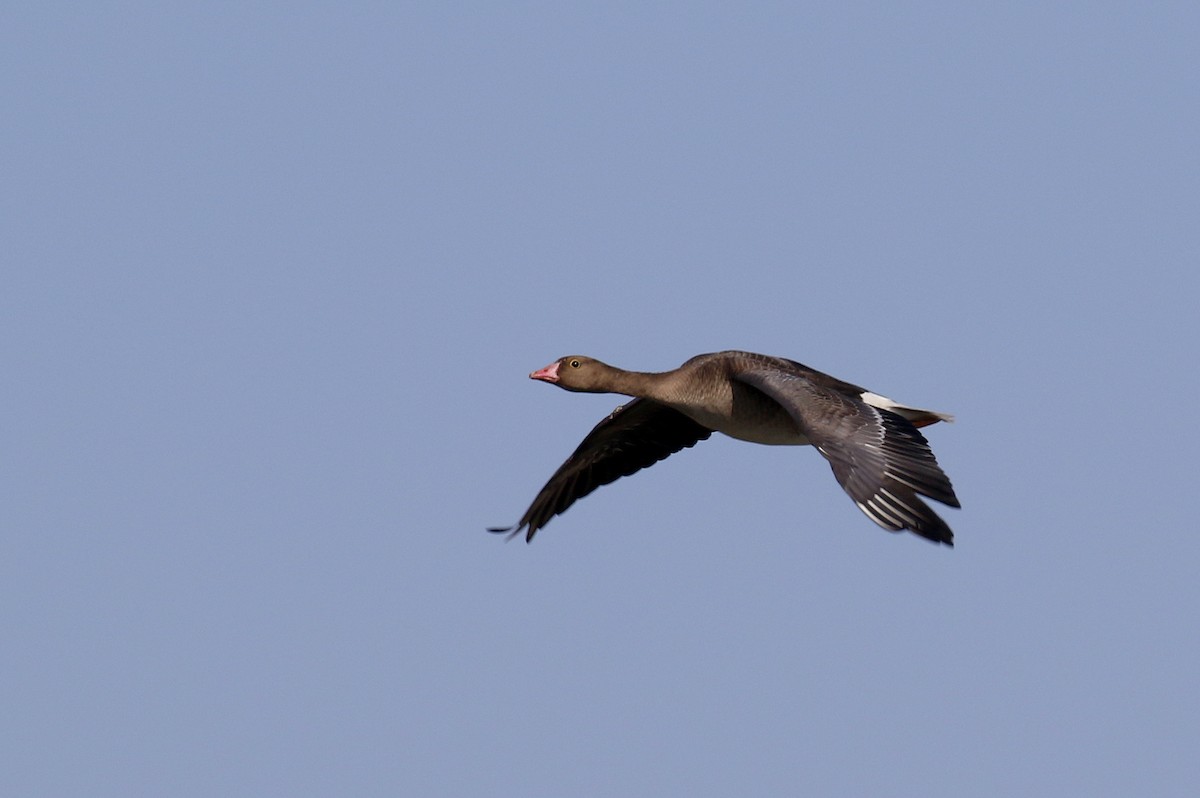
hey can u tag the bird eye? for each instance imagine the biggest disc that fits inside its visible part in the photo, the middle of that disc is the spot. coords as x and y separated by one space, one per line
574 364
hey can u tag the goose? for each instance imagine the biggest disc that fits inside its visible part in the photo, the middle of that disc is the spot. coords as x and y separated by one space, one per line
871 442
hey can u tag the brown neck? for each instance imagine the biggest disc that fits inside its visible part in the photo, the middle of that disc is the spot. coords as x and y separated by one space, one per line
647 384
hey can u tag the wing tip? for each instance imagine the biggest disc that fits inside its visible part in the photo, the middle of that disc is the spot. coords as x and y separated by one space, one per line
942 536
510 532
911 513
931 527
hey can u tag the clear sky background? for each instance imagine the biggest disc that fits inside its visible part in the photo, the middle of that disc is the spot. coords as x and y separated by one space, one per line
274 275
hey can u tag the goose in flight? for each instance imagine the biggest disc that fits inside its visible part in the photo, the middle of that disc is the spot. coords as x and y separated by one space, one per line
872 443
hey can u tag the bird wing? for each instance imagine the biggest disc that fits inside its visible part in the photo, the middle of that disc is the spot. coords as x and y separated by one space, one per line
634 436
878 457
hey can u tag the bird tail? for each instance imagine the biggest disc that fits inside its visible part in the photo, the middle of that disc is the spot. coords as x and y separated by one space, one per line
915 415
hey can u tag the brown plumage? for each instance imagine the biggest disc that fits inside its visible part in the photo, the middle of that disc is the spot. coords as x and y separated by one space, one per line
878 456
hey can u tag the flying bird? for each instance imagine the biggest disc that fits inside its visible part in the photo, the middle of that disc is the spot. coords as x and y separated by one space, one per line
872 443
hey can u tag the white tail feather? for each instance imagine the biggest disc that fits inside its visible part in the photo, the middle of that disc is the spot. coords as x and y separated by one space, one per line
910 413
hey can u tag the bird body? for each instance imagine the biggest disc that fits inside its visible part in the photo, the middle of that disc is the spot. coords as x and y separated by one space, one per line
872 443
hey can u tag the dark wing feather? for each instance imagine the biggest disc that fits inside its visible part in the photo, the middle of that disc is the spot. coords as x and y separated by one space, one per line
878 457
635 435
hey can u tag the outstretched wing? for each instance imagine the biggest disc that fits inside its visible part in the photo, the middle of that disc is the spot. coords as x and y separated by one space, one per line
878 456
635 435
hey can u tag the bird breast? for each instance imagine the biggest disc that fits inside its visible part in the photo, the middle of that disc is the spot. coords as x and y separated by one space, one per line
747 414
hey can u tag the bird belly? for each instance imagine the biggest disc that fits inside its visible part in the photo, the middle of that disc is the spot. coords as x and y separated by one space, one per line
768 434
770 428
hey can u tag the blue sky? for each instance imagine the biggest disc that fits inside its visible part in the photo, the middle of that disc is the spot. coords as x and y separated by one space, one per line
275 276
